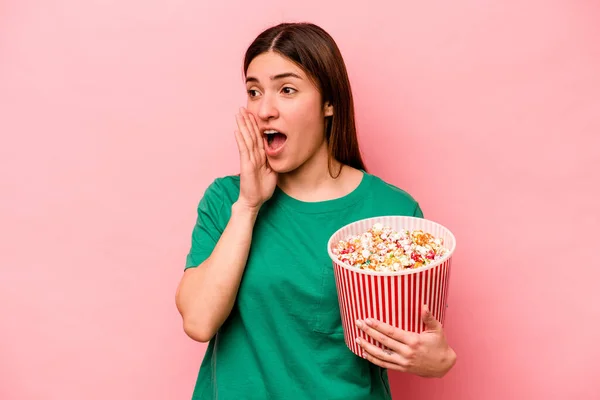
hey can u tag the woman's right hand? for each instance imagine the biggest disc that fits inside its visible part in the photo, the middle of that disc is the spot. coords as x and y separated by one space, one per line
257 179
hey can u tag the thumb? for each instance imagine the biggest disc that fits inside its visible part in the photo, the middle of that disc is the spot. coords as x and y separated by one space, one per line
429 320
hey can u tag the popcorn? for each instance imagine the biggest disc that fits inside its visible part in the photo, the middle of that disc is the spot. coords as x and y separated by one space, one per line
383 249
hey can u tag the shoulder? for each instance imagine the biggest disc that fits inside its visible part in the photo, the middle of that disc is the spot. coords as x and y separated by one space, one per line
392 196
383 187
224 190
228 183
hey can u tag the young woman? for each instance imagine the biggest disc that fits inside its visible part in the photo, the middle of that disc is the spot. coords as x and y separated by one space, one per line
258 283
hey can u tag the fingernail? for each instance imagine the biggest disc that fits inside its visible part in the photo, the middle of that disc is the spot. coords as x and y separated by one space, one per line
359 323
357 340
364 355
368 321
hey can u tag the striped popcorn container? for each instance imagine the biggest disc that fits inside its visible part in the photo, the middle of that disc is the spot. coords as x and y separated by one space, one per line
395 298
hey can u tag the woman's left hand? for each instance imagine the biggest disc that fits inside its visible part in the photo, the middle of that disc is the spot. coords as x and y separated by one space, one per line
425 354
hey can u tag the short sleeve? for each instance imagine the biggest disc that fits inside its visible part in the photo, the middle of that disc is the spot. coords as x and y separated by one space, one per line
418 212
208 228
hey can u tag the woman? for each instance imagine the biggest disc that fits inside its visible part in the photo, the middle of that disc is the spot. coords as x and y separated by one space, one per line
258 283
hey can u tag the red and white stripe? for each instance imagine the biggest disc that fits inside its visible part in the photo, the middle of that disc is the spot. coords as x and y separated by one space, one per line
396 297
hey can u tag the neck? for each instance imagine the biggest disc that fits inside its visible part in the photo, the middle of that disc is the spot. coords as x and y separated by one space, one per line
312 181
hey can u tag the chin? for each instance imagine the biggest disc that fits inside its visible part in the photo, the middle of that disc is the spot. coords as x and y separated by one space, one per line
282 166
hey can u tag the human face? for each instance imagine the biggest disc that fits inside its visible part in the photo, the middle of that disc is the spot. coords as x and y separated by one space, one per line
283 98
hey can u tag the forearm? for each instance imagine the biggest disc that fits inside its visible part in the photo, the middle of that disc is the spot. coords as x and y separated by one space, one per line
207 293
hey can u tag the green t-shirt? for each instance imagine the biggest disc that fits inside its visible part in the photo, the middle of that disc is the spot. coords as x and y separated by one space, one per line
284 338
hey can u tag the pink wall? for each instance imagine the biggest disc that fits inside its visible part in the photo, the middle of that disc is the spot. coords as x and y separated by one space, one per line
116 115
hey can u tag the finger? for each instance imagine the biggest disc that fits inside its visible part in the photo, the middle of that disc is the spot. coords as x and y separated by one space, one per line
249 126
269 169
261 157
241 145
383 354
245 135
429 320
388 341
259 137
382 363
371 326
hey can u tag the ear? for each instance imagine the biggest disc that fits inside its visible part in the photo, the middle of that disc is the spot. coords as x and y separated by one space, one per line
328 109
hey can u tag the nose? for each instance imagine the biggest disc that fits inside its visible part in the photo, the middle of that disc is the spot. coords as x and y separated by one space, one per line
267 108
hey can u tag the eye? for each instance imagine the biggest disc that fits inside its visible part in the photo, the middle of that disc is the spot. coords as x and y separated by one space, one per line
252 92
288 90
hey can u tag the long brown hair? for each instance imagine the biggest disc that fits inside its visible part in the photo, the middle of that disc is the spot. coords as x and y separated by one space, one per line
315 51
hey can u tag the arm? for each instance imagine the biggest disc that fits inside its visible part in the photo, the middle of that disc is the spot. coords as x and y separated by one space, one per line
206 294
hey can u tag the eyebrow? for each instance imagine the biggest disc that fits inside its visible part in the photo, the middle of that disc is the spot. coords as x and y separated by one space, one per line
275 77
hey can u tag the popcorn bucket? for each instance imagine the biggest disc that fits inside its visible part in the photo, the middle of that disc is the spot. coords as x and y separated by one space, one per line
395 298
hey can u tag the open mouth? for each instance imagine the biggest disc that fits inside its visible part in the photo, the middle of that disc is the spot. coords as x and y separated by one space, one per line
275 139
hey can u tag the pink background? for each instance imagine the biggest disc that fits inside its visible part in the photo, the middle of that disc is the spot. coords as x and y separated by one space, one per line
115 116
